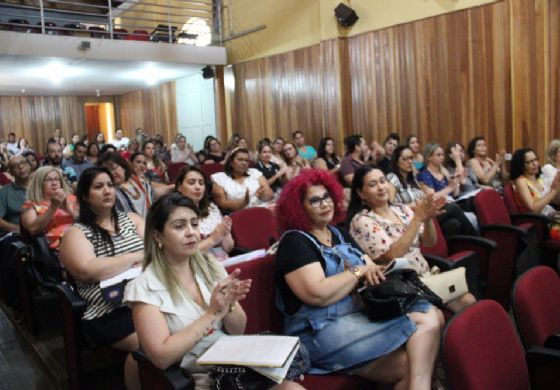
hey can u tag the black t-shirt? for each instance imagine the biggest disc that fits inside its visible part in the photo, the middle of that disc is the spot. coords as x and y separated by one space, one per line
213 158
296 251
270 171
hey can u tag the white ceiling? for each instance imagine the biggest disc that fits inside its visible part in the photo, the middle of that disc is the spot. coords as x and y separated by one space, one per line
83 76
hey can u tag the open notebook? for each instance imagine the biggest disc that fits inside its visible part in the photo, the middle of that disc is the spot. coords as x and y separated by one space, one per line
270 356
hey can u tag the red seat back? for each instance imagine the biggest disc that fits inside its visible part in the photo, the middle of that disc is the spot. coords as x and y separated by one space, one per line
253 228
440 247
490 208
210 169
509 199
173 170
4 180
481 351
260 304
536 303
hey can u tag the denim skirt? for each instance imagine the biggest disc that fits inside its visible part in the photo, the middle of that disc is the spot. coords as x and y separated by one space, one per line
353 340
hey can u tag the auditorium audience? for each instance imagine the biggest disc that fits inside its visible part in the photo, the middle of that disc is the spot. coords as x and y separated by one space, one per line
181 151
414 146
4 155
317 269
466 179
51 206
100 139
31 157
488 172
155 168
273 173
69 148
239 186
215 229
233 142
103 243
12 144
326 156
14 195
92 152
23 146
278 151
531 194
550 169
77 161
387 231
356 147
389 145
308 152
242 143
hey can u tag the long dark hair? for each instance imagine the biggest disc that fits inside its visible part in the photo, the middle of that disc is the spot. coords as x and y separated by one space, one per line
517 164
204 203
321 152
472 145
449 162
87 216
409 180
356 204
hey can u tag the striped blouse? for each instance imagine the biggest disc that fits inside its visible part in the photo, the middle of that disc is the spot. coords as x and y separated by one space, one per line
125 241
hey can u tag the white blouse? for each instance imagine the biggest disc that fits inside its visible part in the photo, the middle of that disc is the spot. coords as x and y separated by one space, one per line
147 288
235 190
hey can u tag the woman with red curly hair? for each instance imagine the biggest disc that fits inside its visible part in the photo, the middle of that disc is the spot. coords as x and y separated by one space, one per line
317 270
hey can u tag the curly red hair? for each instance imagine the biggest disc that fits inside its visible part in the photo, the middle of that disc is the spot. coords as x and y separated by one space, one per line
290 212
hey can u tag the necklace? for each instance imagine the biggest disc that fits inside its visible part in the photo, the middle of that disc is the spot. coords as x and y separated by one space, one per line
136 195
324 237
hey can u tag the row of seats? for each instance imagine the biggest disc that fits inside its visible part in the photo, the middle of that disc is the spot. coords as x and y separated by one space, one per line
76 29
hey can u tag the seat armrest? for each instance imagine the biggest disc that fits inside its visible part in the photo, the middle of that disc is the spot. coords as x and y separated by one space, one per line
77 304
519 231
538 355
553 341
238 250
469 241
442 263
174 376
529 217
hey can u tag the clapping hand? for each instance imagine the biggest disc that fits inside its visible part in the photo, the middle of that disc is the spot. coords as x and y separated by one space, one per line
428 208
227 292
58 199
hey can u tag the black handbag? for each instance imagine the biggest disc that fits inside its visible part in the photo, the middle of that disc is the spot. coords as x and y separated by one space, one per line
393 297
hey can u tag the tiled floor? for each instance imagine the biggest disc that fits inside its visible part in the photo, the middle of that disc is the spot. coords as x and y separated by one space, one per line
19 365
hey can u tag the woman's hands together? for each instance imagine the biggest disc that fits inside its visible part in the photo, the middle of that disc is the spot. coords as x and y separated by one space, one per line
428 208
373 273
227 292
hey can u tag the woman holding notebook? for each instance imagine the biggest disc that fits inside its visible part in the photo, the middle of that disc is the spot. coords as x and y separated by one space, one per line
183 301
317 270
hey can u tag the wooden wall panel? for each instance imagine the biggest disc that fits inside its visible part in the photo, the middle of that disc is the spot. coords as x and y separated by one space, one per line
36 117
152 109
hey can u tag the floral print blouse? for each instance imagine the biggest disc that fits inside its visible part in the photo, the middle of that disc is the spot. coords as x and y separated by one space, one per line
375 235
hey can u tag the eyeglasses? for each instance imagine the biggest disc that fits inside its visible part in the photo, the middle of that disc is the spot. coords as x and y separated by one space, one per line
315 201
51 179
406 158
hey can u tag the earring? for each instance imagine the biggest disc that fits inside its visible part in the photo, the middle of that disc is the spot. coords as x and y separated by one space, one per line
160 246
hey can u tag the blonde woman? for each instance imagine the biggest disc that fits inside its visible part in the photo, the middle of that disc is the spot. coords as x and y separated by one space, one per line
550 170
184 301
50 207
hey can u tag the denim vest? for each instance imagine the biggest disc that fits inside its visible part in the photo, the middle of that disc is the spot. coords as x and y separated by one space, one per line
314 318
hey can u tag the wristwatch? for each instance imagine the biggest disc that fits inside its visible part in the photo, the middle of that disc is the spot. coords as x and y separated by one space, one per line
356 271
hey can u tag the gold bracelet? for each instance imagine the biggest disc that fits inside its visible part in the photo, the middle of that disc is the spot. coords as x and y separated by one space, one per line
231 307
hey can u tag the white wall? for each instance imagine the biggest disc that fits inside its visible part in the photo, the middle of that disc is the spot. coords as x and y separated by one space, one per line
196 112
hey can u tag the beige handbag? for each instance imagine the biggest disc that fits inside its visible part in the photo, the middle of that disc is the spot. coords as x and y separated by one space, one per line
447 285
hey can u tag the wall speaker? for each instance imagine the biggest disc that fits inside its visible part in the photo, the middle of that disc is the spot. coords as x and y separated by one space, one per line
84 45
345 15
207 72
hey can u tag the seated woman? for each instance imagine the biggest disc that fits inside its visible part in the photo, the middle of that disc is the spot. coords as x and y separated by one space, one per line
294 161
155 168
273 173
278 151
92 152
182 152
215 229
50 207
385 231
435 179
488 172
326 156
243 143
531 194
454 163
184 301
240 186
414 145
32 159
550 170
104 243
213 152
317 269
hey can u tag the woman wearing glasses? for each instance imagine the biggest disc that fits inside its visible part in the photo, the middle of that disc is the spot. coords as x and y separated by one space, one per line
525 173
317 269
50 207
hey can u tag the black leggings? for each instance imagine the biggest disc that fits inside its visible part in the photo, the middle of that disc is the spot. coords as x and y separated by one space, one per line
454 221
